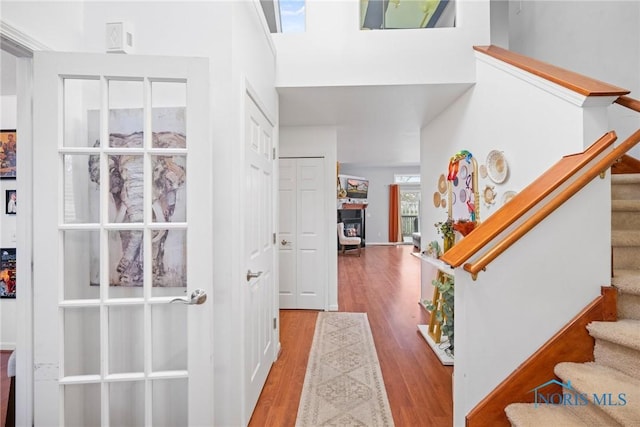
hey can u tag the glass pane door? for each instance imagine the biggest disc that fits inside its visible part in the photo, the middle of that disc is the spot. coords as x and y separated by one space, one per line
120 177
410 212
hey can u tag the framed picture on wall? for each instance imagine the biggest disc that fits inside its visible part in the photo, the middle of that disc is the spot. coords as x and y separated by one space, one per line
11 202
8 151
8 273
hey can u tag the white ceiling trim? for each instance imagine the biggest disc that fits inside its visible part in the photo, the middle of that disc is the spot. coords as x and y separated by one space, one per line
17 42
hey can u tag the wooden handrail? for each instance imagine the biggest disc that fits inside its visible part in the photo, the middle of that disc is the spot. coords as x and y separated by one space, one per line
627 101
600 166
524 201
627 163
573 81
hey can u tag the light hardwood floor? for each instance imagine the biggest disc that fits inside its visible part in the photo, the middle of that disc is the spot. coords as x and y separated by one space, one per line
385 283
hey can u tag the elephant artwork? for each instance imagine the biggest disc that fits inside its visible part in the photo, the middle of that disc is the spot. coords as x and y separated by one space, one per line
126 190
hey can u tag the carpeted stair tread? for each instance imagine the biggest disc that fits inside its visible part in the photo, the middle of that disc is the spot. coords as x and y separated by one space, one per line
627 281
591 378
625 238
621 205
625 332
530 415
625 178
628 306
624 359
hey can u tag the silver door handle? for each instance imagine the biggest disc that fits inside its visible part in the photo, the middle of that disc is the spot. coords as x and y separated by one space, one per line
285 242
197 297
251 275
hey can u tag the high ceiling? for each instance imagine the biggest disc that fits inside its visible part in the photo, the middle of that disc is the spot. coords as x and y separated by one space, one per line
376 124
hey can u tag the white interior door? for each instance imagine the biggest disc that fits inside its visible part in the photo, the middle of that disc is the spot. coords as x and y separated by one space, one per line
121 241
260 309
287 236
302 236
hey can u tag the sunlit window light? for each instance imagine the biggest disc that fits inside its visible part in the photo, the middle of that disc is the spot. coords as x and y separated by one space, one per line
292 16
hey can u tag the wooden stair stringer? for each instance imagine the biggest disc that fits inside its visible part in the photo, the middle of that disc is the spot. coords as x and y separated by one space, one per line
625 165
572 343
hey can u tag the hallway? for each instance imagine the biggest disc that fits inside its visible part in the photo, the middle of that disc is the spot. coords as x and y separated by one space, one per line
385 283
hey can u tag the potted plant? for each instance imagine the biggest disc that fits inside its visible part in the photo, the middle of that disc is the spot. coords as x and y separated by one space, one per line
443 308
445 228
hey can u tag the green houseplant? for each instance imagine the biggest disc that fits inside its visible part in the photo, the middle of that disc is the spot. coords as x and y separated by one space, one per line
443 308
445 228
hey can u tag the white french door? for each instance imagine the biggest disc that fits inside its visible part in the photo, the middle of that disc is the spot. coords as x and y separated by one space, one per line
258 291
122 241
302 236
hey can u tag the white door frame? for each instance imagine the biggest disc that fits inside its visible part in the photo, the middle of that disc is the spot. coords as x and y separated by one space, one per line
22 45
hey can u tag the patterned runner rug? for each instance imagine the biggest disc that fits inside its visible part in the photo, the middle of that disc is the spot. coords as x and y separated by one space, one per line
343 384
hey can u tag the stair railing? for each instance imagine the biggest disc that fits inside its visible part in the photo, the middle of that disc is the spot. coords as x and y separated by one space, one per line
534 203
554 187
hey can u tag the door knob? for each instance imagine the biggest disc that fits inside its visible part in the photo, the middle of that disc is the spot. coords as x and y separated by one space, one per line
251 275
197 297
285 242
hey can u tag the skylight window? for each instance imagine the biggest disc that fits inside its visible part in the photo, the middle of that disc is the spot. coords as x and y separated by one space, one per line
389 14
292 16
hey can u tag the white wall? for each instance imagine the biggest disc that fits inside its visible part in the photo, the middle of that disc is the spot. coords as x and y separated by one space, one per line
377 225
589 37
58 25
360 145
7 232
334 51
319 141
527 294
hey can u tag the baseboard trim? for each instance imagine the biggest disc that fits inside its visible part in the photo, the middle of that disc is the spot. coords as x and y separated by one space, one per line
389 243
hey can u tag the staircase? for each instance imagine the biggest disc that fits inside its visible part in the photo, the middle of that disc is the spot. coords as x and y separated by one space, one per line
614 376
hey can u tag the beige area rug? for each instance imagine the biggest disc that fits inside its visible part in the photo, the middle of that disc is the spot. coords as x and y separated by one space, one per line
343 384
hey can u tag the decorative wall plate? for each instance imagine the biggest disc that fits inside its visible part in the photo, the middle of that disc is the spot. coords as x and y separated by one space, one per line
497 167
483 171
442 183
436 199
489 195
463 172
463 195
508 195
453 198
443 203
